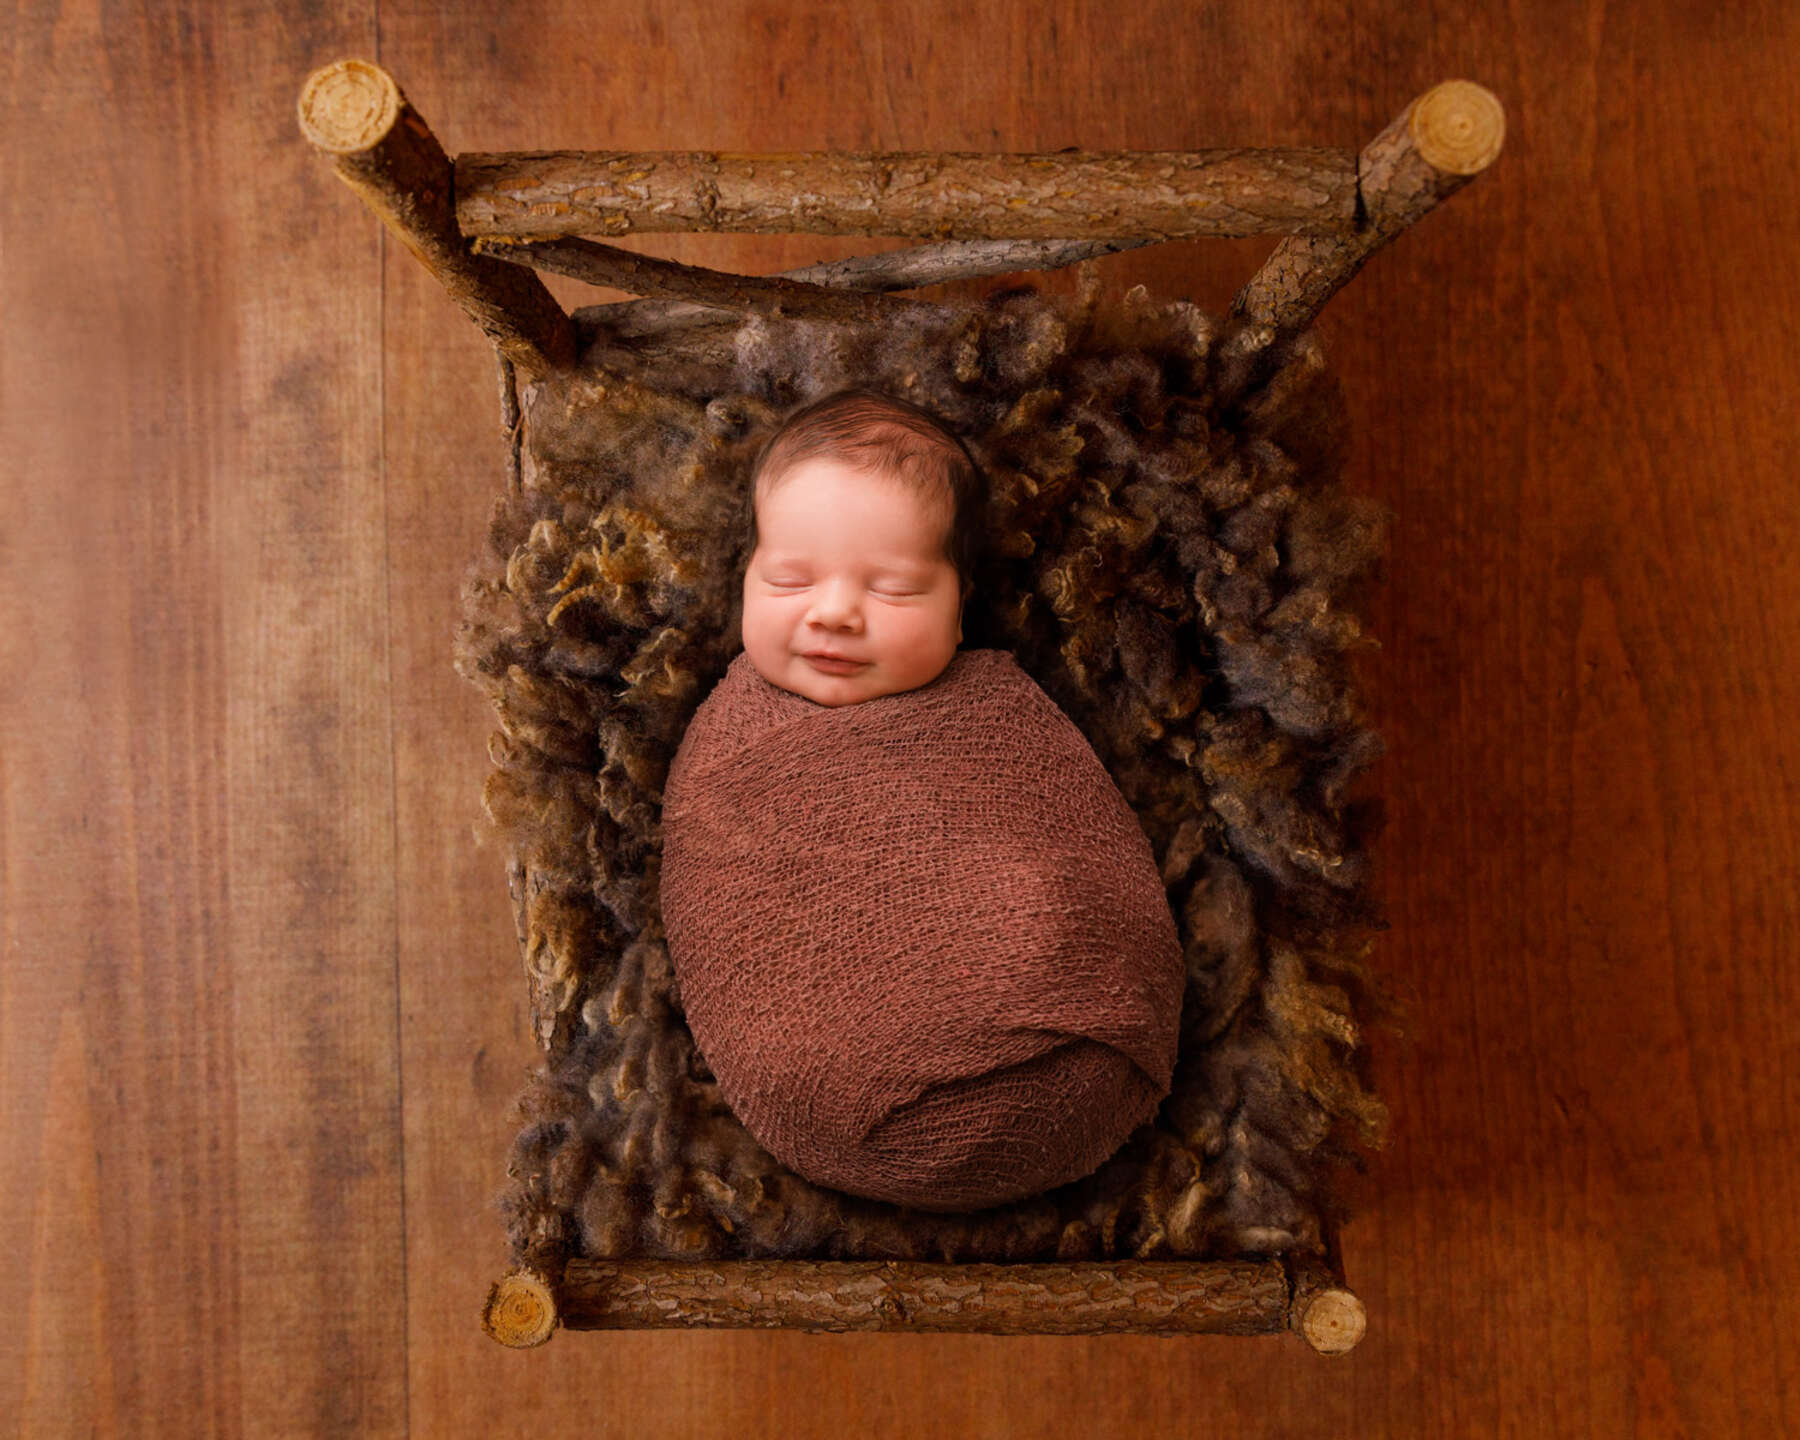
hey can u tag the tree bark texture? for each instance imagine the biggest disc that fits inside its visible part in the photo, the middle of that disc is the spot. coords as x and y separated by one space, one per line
1227 1297
1158 195
718 290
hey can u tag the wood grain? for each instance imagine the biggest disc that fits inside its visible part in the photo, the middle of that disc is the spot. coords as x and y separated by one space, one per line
260 1017
200 1052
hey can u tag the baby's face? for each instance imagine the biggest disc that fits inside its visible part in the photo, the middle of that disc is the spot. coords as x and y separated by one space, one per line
852 564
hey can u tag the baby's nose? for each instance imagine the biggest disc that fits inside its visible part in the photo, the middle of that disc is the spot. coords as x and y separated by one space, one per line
835 602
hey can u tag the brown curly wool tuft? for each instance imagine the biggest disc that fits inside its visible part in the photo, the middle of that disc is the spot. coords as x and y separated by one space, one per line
1176 565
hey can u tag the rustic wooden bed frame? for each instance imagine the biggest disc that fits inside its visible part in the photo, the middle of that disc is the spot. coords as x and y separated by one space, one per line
484 223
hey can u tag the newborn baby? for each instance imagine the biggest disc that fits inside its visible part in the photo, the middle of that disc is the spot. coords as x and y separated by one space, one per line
866 517
919 934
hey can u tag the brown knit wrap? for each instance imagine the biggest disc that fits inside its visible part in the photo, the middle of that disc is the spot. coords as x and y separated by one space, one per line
921 940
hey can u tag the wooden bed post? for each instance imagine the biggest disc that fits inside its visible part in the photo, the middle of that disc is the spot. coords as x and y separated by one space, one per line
354 112
1322 1309
1439 143
521 1309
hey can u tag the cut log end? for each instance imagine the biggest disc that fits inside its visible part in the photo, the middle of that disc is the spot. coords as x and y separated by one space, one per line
521 1311
348 106
1334 1321
1458 127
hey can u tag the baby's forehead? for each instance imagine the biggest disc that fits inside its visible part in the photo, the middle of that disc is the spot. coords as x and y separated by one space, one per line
841 479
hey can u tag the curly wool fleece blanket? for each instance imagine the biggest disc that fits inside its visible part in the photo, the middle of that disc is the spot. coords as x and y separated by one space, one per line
921 940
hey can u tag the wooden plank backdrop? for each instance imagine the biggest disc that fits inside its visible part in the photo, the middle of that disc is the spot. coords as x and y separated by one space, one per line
261 1011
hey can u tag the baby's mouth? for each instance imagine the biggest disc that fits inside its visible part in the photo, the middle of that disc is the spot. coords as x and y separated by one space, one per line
835 664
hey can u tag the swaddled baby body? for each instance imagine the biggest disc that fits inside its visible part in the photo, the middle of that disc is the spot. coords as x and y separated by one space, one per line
920 936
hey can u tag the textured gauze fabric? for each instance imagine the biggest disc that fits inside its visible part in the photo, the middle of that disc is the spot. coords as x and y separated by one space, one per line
921 940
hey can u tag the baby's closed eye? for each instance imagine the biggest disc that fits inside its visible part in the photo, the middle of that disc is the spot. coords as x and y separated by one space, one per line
884 592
